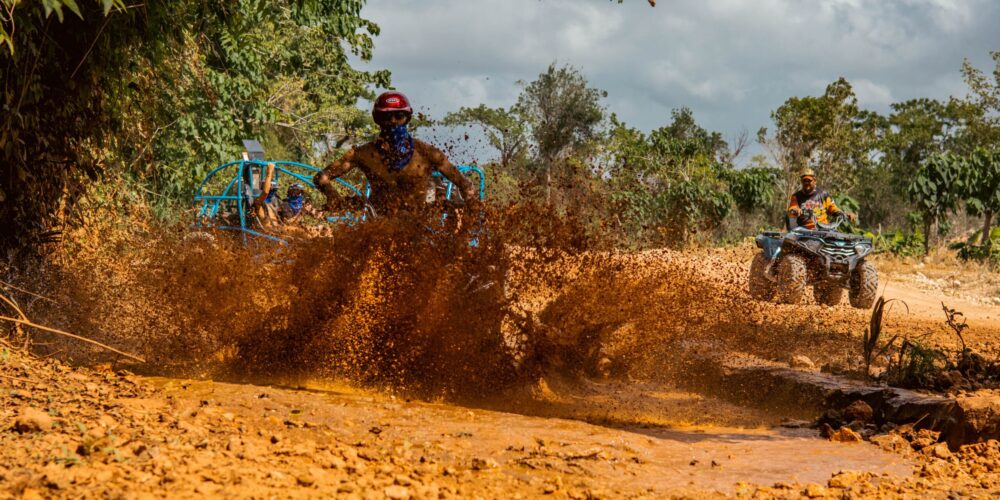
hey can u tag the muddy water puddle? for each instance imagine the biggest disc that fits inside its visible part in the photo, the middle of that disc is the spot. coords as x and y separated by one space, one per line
629 438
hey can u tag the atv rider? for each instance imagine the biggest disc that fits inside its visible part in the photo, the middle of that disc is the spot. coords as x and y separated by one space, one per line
811 199
397 166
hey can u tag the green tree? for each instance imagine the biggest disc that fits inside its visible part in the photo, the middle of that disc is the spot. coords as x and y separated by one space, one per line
983 104
916 130
982 187
936 189
158 92
563 113
828 133
505 130
752 188
676 181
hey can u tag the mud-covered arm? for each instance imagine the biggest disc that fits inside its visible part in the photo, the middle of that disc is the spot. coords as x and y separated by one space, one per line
450 172
794 211
266 187
324 179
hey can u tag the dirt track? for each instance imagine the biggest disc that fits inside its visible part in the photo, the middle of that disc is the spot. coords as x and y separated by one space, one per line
631 435
189 438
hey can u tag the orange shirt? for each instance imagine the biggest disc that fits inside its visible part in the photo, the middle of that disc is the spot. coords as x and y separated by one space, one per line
818 201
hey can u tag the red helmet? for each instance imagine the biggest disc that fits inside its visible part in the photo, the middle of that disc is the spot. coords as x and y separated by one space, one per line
391 101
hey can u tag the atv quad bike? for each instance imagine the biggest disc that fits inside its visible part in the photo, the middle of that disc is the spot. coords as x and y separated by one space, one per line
824 257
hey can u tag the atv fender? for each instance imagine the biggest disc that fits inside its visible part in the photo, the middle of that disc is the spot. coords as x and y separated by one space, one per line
770 244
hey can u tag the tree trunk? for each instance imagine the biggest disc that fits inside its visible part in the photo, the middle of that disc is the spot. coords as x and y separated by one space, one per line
548 182
987 225
927 234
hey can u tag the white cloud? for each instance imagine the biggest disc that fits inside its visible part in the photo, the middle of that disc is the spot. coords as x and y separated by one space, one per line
731 61
871 94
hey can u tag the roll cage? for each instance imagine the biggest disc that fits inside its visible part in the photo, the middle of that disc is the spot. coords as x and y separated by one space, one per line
224 197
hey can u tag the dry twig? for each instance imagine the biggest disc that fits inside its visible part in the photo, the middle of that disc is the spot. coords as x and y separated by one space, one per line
71 335
957 322
16 378
33 294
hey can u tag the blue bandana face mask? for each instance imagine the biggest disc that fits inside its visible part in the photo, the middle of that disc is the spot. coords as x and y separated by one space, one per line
271 196
295 203
397 147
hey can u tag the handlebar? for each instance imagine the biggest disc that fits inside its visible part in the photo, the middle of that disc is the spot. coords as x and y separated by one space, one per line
836 219
835 222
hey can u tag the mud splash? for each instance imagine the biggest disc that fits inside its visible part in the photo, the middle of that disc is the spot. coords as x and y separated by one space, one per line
394 306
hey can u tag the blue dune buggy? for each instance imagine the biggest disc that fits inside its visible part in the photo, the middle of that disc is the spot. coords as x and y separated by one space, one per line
824 257
224 197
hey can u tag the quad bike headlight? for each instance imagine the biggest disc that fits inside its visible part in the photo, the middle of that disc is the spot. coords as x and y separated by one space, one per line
860 249
812 245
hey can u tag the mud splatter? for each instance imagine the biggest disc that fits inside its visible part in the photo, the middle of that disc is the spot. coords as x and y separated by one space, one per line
398 307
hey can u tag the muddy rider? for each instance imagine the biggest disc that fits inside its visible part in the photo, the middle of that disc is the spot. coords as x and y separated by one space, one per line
266 205
295 205
811 198
397 166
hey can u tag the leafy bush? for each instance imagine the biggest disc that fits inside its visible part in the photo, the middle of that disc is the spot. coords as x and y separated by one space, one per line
916 366
900 243
972 250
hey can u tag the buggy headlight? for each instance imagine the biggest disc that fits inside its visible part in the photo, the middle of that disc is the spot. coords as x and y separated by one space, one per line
860 249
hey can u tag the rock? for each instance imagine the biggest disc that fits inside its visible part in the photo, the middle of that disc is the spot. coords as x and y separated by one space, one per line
31 494
397 492
891 442
305 479
335 462
207 488
939 450
825 431
922 438
107 421
815 491
858 411
835 368
795 424
845 435
843 479
936 470
33 420
57 477
802 362
951 379
484 463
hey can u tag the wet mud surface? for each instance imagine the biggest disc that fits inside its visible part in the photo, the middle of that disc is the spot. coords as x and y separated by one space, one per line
385 363
84 433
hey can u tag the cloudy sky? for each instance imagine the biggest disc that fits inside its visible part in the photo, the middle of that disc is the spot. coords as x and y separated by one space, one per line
731 61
